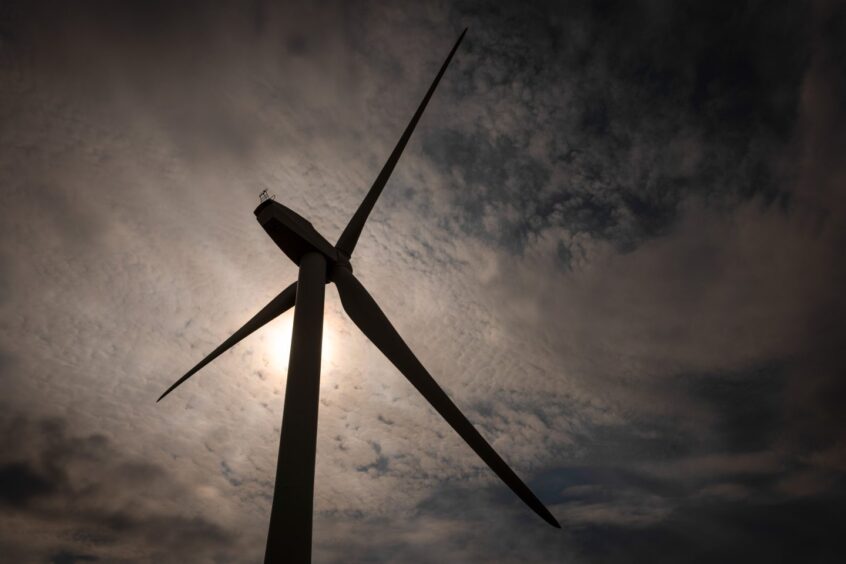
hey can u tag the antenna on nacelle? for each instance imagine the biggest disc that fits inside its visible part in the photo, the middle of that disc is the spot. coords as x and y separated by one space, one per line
264 196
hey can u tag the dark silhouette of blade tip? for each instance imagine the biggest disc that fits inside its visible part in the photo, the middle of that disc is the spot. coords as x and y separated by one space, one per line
167 391
552 521
546 515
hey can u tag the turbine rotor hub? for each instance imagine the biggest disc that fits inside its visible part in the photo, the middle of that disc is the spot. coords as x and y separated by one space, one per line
342 262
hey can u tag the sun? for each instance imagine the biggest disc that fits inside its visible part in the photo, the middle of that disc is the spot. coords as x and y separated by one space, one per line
278 343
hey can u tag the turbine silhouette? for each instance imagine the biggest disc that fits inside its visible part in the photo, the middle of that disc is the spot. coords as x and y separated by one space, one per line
289 536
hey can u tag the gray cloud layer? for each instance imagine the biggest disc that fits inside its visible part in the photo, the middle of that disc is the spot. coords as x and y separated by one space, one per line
615 239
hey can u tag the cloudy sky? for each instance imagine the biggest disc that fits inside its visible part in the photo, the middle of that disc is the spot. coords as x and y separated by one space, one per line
616 240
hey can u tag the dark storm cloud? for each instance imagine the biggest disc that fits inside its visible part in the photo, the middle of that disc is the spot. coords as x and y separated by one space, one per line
602 117
485 162
789 531
747 406
19 484
78 495
65 557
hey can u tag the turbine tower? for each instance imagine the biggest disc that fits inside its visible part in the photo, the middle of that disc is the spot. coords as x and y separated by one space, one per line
289 535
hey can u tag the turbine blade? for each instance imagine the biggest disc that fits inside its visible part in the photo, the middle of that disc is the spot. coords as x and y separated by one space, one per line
367 315
277 306
349 238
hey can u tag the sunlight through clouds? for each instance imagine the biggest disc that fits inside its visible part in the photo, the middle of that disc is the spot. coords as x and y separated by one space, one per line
277 342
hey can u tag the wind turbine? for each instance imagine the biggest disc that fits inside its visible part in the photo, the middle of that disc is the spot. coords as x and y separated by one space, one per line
289 535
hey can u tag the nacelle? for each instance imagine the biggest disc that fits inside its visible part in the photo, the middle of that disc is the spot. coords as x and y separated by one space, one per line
294 234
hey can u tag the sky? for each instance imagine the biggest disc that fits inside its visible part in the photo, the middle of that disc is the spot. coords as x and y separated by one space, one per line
615 239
